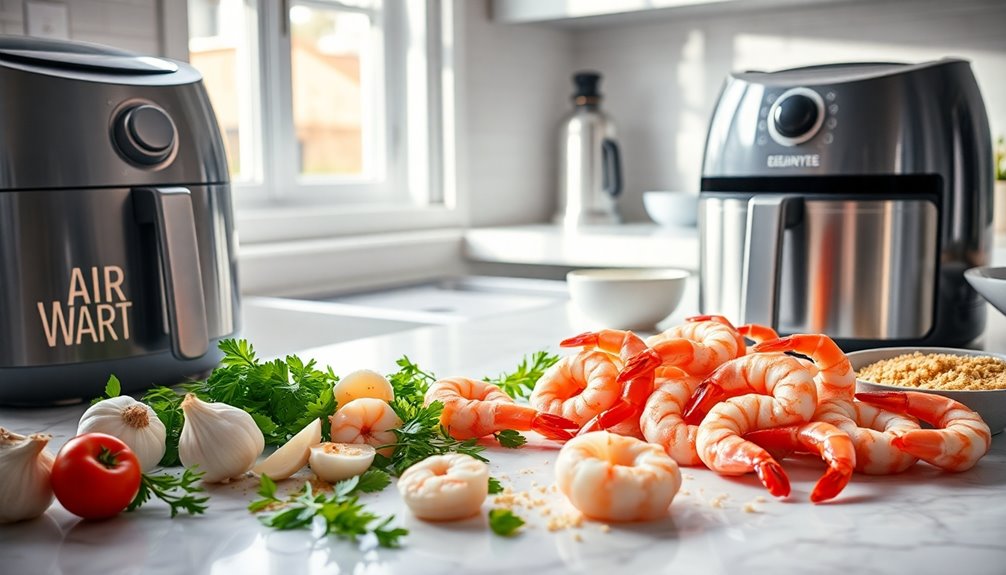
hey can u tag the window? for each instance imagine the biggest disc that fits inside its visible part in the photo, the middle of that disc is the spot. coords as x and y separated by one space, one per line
326 102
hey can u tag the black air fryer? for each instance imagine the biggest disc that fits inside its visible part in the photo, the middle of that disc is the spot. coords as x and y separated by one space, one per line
117 251
848 199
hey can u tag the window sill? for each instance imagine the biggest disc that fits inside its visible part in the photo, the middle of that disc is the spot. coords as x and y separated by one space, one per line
351 263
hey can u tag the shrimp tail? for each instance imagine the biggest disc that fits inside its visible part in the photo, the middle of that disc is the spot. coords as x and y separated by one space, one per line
779 441
773 477
631 405
758 333
901 402
706 395
831 484
640 364
585 339
553 426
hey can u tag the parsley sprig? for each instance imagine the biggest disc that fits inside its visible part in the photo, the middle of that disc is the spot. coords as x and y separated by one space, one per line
282 396
340 512
422 436
503 522
179 492
520 383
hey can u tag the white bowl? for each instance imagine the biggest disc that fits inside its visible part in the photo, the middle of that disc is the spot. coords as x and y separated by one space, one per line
627 298
991 404
672 209
990 283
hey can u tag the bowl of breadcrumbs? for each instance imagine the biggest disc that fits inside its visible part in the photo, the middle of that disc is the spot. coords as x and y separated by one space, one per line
973 377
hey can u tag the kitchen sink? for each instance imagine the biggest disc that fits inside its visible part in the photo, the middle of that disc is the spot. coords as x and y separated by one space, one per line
279 326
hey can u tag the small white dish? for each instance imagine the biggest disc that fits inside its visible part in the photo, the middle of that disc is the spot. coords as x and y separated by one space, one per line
627 298
990 283
990 404
672 209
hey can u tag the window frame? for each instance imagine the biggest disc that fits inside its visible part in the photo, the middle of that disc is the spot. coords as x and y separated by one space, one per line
280 206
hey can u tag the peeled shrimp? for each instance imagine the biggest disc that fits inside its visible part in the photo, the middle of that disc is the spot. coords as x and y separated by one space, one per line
445 487
634 391
578 387
872 431
701 347
366 420
831 443
961 437
476 408
616 478
662 422
835 378
779 391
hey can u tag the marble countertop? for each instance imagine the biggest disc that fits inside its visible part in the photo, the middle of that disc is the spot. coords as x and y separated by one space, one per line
922 521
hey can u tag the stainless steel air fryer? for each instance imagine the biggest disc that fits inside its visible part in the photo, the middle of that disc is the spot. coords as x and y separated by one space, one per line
117 252
848 200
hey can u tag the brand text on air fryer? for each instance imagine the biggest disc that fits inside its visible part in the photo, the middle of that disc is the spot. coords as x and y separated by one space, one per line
95 310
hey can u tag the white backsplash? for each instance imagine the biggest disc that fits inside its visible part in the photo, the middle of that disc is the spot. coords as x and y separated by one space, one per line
127 24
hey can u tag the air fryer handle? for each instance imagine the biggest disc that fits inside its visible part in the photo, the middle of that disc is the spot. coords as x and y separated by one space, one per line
611 167
170 211
763 259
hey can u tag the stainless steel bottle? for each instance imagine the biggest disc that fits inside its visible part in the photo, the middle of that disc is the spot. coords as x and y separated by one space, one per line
590 170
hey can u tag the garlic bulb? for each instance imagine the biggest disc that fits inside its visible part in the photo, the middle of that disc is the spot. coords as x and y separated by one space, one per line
134 422
221 439
25 465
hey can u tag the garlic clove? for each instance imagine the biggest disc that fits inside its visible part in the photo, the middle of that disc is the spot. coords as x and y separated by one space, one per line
222 440
363 383
293 455
25 467
333 462
133 422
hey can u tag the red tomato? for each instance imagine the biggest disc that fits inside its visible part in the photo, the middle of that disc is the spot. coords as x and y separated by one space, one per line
95 476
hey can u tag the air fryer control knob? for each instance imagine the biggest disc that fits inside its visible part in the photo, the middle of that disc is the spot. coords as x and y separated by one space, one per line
796 116
145 134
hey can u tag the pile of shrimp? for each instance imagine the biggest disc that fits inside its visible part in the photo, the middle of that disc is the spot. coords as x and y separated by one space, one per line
631 411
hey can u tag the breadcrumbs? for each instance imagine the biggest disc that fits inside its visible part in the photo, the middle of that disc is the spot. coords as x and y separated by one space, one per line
719 501
750 508
938 371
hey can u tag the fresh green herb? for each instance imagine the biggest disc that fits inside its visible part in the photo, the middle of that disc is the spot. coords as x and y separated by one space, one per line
410 382
510 439
422 436
282 396
495 486
177 491
112 389
504 522
167 404
520 383
341 512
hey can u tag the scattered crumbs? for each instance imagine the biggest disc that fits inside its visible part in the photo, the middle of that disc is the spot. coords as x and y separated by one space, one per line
604 527
545 512
687 476
553 487
685 492
317 485
543 490
719 501
526 471
534 484
546 462
750 508
571 520
577 537
760 499
504 477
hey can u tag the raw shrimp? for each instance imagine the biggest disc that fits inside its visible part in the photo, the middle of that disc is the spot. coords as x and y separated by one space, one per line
960 439
477 408
445 487
629 406
700 347
366 420
835 378
616 478
872 430
788 380
779 391
578 387
831 443
662 423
